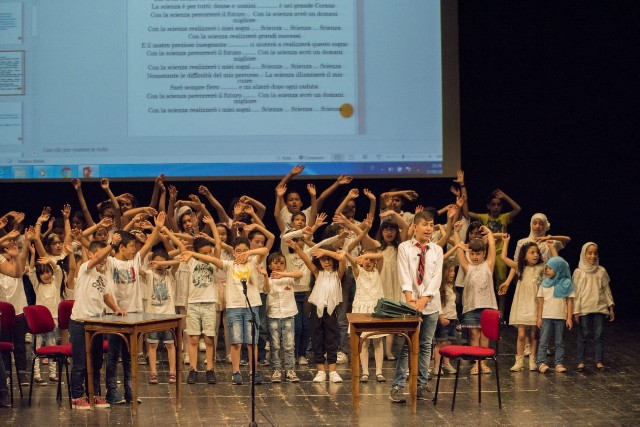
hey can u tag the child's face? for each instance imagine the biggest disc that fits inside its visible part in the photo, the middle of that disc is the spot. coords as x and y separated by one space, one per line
222 231
257 241
161 268
108 213
55 246
476 257
185 222
102 265
46 277
101 235
424 230
240 249
298 222
451 276
532 256
205 250
549 272
125 204
278 264
396 204
494 206
389 234
129 251
77 222
350 209
368 264
326 262
538 227
293 202
591 254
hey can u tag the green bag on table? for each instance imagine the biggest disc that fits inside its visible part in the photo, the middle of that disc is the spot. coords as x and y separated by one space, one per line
389 308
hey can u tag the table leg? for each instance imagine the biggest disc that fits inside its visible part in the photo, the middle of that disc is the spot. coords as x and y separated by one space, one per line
413 368
87 346
354 341
133 352
178 339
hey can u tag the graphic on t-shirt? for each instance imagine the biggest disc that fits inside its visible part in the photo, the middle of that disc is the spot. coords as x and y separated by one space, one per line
160 293
495 225
99 284
124 276
202 275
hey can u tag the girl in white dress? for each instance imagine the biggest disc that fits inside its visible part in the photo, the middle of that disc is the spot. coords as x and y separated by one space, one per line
366 270
524 308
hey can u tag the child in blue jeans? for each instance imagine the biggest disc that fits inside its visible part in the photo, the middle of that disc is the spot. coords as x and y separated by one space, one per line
555 302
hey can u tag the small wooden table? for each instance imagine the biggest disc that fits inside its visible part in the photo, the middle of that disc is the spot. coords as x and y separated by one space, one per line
128 328
363 325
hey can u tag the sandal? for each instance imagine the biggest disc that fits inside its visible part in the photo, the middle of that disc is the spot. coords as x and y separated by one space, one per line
172 378
153 378
474 370
486 369
380 378
581 367
364 378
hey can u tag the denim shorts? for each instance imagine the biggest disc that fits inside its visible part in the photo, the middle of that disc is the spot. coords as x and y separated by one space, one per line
447 333
238 323
155 337
471 319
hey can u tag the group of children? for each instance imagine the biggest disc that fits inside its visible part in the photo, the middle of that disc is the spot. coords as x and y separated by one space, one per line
172 257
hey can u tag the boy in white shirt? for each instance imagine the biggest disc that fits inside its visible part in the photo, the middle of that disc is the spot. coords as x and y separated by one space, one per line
92 297
281 309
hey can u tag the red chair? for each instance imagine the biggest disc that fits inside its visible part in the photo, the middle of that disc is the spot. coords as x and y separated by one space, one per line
64 315
40 321
7 322
490 326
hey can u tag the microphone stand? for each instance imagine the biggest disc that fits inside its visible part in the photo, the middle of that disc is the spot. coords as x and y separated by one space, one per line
253 422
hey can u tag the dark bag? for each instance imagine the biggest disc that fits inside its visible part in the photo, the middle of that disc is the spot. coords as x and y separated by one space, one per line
390 308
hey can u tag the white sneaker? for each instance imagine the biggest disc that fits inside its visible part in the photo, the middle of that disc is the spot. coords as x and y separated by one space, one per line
335 377
320 377
342 358
448 369
202 346
302 361
185 358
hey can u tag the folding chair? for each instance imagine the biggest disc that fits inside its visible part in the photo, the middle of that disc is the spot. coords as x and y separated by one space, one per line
7 322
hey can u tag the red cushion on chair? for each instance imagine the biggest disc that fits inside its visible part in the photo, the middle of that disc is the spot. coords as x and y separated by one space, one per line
6 346
54 349
39 319
466 350
105 346
64 313
7 316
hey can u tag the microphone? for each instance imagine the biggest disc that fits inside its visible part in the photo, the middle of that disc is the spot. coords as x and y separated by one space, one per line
244 285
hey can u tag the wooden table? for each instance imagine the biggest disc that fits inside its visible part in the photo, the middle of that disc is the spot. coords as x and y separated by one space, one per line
364 325
129 327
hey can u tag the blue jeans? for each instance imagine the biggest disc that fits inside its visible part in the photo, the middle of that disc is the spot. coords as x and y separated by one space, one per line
551 326
427 331
302 324
117 347
282 329
79 360
586 321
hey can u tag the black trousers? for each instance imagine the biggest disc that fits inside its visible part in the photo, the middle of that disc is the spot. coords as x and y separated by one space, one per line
324 335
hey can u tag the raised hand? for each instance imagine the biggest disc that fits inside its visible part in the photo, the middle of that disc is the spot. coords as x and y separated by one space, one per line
369 194
66 212
410 195
76 183
104 183
281 189
311 189
320 219
459 177
353 193
44 215
297 170
344 179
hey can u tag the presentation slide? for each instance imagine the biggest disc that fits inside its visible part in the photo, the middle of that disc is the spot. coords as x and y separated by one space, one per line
223 88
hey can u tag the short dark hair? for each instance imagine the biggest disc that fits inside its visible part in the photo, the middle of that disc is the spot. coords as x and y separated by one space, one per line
200 242
274 256
161 252
423 215
96 245
477 245
126 237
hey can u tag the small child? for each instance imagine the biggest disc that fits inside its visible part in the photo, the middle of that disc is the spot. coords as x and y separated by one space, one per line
478 286
281 310
92 297
46 278
555 301
593 302
448 318
328 268
161 289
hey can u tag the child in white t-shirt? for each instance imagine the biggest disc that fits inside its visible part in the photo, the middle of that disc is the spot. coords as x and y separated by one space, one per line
281 310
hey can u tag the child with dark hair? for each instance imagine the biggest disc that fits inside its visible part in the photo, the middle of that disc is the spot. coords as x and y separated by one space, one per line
448 318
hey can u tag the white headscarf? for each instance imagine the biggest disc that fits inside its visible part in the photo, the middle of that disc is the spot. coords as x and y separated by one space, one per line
585 265
544 219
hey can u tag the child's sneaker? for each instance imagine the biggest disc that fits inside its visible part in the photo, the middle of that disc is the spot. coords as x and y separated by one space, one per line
39 381
335 377
185 358
276 376
258 379
292 377
448 369
80 403
395 395
320 377
302 361
202 346
264 362
236 378
114 398
100 402
192 378
142 360
244 362
342 358
211 376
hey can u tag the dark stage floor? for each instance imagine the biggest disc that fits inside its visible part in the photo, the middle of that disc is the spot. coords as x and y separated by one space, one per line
590 398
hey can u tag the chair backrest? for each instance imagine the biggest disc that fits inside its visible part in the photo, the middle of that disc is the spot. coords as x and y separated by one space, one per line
64 313
490 324
39 319
7 316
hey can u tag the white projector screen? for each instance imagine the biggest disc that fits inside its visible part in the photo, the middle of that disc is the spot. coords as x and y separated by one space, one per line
227 88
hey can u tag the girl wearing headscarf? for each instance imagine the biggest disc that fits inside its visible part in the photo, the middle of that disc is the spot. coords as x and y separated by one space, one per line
593 302
555 309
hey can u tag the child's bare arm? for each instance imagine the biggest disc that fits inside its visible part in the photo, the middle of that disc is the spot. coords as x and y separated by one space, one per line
341 180
258 207
280 190
77 185
515 208
491 250
104 183
296 170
